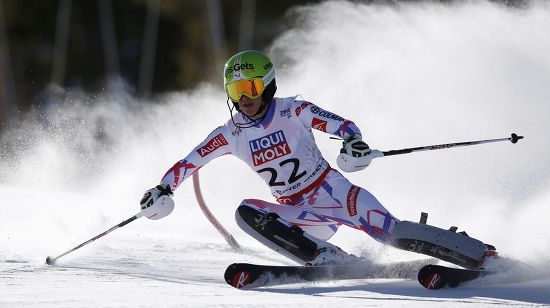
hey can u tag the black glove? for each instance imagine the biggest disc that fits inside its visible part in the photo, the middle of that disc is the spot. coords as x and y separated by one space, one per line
354 146
153 194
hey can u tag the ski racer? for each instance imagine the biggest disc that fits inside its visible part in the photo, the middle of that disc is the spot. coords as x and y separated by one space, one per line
273 136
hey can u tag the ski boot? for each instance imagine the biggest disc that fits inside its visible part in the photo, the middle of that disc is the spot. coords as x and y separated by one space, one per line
331 255
490 254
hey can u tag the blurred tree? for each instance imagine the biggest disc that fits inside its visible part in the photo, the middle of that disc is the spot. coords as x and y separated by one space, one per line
7 95
193 38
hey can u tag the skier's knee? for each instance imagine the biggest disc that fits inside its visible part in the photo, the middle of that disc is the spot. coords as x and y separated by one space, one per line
269 229
245 207
238 213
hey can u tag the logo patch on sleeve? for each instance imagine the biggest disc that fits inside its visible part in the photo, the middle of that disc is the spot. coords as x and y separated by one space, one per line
319 124
325 114
211 146
301 107
352 200
285 113
268 148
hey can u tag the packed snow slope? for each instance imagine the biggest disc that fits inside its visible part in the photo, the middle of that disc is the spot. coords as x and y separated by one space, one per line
407 74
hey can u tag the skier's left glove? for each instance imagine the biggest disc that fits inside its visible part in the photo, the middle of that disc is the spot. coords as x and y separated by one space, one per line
355 146
355 154
156 203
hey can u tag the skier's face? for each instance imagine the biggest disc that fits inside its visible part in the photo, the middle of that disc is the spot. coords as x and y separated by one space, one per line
250 106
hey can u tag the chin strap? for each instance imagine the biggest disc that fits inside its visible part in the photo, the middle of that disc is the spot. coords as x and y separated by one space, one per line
255 119
261 111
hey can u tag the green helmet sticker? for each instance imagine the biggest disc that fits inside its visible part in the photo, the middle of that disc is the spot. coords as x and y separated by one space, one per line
248 64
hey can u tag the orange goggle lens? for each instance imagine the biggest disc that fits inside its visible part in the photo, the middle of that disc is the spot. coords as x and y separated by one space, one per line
251 88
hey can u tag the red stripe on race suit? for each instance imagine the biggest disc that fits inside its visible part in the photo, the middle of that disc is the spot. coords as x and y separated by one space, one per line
288 200
345 127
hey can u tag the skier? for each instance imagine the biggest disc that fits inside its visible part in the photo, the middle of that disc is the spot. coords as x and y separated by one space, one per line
273 136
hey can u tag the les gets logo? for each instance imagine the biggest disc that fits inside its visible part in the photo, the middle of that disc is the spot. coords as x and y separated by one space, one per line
238 67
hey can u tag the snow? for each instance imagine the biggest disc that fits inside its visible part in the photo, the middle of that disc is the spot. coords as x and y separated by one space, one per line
423 73
156 272
166 273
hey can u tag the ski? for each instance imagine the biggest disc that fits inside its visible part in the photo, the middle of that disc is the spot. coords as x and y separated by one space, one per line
435 277
240 275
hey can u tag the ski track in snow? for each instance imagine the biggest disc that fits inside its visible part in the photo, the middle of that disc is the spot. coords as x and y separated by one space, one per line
140 273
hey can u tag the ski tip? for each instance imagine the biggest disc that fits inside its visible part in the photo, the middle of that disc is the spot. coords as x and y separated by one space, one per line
240 279
432 281
236 276
430 278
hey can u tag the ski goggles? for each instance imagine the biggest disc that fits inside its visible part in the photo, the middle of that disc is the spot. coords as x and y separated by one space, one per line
251 88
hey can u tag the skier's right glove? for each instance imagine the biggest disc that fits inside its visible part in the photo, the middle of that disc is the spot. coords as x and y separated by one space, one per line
355 154
156 203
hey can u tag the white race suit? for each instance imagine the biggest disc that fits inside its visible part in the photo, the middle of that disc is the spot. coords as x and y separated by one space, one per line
281 148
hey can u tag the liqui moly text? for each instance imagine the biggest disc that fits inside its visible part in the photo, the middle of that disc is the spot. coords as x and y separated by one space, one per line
268 148
212 145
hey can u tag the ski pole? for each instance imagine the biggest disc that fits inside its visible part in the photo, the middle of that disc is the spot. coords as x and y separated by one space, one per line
376 153
202 204
514 139
51 260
